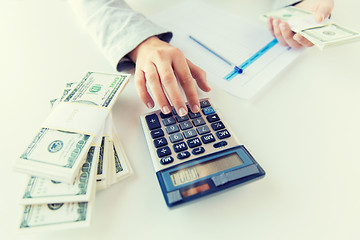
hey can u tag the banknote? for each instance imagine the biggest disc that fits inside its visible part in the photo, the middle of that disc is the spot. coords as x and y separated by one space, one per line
42 190
322 34
58 154
55 216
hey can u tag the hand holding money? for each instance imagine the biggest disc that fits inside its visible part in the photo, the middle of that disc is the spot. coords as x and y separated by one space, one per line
307 24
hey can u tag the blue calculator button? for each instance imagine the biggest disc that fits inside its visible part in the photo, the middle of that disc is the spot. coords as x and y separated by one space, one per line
172 129
162 152
194 142
220 144
152 121
204 103
223 134
190 133
157 133
183 155
166 160
198 150
182 119
208 138
162 115
169 121
213 118
176 137
160 142
208 110
203 129
185 125
217 125
181 146
199 121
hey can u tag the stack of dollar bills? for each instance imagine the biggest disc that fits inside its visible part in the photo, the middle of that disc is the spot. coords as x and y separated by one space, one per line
65 167
323 35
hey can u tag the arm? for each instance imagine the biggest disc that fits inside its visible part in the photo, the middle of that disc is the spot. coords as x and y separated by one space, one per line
122 33
281 30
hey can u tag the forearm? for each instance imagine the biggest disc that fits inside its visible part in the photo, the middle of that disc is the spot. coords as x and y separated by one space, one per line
116 28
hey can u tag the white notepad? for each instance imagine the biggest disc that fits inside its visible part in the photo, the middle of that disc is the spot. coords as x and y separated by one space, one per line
232 37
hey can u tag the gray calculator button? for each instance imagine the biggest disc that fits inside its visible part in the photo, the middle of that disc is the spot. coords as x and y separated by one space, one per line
172 129
190 133
204 103
176 137
169 121
174 196
203 129
198 122
185 125
182 119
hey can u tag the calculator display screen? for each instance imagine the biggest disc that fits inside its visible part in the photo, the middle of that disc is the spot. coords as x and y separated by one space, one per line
205 169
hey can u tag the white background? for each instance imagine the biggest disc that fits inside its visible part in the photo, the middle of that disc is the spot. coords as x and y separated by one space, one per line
304 130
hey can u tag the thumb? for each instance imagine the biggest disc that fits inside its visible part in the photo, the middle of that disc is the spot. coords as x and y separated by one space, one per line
323 11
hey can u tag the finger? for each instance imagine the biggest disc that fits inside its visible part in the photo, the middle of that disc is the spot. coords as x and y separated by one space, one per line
277 32
288 34
171 86
199 75
153 81
302 40
140 85
270 25
187 82
323 11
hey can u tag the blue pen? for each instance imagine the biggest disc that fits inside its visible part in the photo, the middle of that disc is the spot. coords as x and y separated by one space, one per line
237 69
252 59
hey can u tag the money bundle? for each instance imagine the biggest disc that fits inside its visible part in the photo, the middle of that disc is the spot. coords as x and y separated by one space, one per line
67 166
323 35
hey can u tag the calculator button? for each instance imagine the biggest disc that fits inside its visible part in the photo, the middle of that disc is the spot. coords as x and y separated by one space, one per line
169 121
198 122
208 110
194 142
152 121
208 138
172 129
162 152
185 125
162 115
217 126
178 147
213 118
176 137
157 133
198 150
166 160
183 155
223 134
182 119
220 144
203 129
160 142
194 115
204 103
190 133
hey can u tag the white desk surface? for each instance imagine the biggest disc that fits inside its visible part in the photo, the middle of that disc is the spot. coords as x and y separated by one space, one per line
304 130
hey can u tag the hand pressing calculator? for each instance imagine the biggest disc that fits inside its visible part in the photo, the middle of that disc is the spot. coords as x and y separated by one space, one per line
196 155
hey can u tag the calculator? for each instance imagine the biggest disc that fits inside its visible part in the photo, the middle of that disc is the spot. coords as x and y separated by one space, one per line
196 155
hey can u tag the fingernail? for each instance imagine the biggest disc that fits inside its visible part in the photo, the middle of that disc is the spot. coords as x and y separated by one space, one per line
150 105
182 112
195 108
166 109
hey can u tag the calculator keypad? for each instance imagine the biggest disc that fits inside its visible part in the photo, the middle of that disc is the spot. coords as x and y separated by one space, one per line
177 139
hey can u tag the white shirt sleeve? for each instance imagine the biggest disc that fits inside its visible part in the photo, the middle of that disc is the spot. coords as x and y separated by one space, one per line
116 28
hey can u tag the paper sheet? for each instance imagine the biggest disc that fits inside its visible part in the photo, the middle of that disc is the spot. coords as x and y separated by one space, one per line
232 37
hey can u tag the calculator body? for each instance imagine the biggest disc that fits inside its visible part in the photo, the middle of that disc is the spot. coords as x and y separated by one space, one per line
196 155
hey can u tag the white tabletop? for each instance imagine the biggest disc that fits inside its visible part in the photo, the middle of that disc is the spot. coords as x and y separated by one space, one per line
304 130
